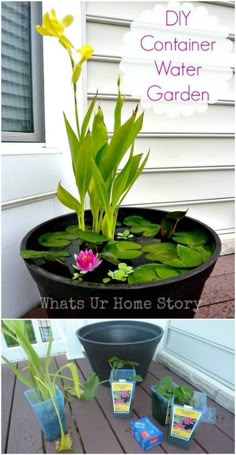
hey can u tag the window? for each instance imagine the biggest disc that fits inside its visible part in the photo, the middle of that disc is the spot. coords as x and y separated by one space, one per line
22 73
45 330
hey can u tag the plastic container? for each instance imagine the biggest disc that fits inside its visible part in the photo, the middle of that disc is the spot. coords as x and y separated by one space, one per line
183 426
122 391
136 340
46 414
161 406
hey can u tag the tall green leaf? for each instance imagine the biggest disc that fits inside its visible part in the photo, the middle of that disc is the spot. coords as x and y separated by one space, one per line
99 133
100 185
133 176
74 373
119 144
73 142
118 107
122 180
87 117
83 166
67 199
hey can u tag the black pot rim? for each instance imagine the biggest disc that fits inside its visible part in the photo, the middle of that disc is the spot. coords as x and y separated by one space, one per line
126 322
117 287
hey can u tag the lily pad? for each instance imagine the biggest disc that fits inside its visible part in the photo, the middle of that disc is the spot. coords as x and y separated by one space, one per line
169 223
187 258
196 237
139 224
123 249
144 274
164 271
152 272
91 237
109 257
160 251
205 251
53 239
34 254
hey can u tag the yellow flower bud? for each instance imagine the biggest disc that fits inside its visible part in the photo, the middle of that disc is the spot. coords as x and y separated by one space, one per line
86 51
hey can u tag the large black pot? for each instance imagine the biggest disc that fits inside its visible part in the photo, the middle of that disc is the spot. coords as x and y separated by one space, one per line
128 340
176 297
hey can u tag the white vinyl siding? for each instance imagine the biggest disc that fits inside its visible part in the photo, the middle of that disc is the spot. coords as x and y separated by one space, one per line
191 162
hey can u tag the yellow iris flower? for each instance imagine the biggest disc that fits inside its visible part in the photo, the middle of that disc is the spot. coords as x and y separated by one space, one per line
52 26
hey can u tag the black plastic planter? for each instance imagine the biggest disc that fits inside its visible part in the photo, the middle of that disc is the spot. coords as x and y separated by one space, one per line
176 297
128 340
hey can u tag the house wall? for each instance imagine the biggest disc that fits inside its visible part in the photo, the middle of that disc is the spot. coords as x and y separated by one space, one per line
191 160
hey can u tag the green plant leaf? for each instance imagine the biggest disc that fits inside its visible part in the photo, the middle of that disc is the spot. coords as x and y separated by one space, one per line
183 394
99 133
64 443
165 272
121 141
122 180
87 117
139 224
144 274
34 254
83 172
48 354
90 387
73 142
74 373
205 251
160 251
123 249
67 199
118 107
53 239
165 387
109 257
100 186
91 237
191 238
187 258
169 223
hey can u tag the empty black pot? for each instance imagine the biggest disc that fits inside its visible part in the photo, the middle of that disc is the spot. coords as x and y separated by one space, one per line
129 340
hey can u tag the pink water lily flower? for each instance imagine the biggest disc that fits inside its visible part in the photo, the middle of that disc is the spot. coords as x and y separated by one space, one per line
86 261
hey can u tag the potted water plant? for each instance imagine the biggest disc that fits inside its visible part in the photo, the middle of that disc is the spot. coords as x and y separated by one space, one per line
123 381
111 258
44 396
162 394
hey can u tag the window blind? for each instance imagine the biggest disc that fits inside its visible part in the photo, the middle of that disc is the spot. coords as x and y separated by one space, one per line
17 109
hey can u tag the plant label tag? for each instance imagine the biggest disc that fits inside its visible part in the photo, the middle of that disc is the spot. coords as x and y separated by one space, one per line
121 396
184 422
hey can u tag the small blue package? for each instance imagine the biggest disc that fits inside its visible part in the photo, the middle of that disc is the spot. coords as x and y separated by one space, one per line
146 433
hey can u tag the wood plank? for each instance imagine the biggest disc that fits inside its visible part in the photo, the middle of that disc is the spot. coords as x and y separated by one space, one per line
225 419
7 387
225 310
96 433
213 440
218 289
224 265
120 426
25 435
76 442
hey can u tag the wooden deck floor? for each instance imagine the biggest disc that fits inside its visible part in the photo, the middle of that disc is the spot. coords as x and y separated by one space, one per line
217 299
92 425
